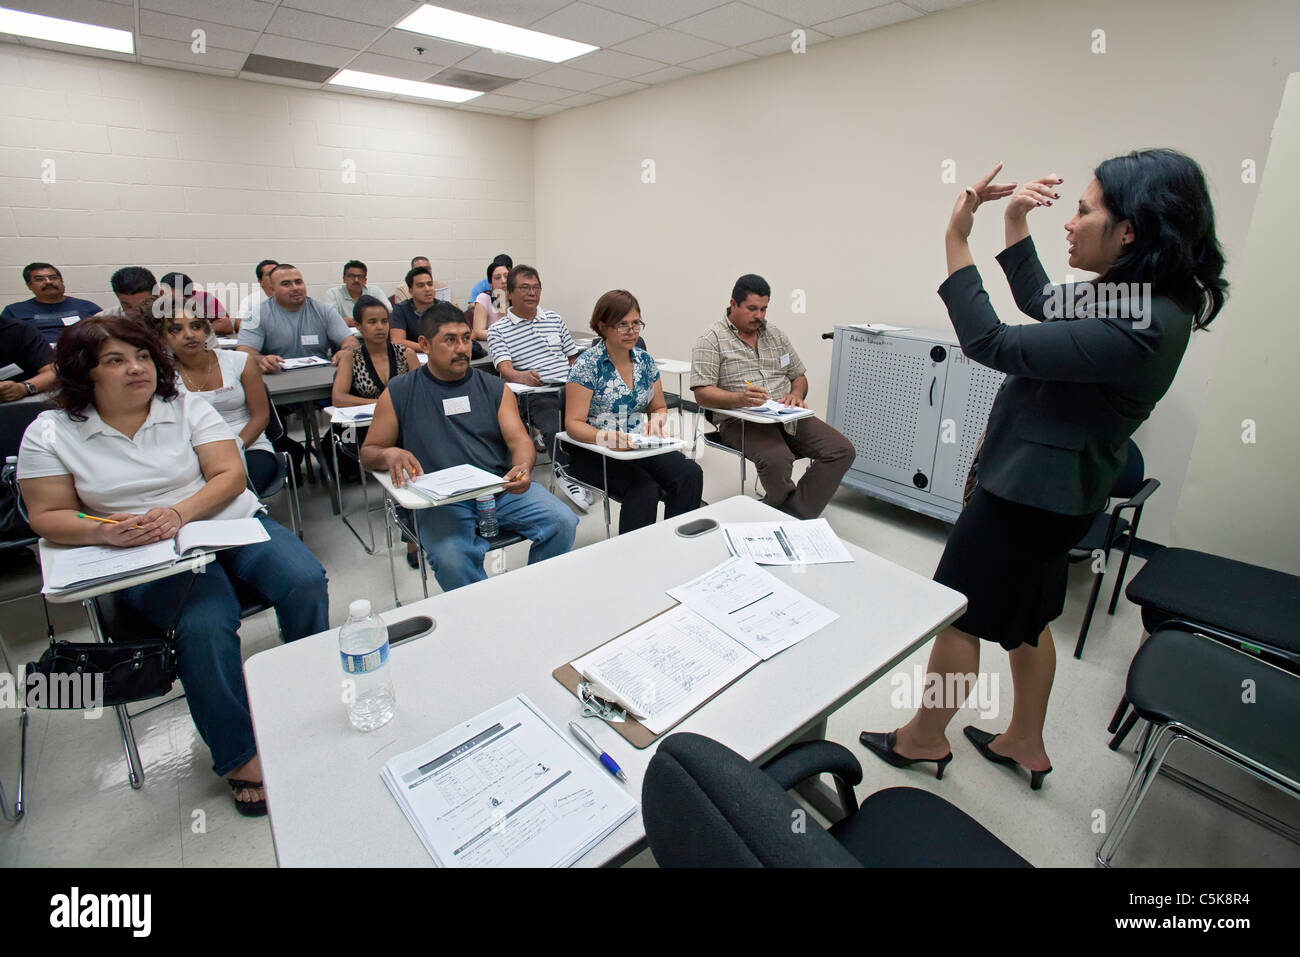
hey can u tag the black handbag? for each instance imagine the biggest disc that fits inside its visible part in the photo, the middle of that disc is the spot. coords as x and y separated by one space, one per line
90 674
79 674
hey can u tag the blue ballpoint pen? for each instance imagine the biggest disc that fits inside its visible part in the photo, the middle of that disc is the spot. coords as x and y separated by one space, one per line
590 744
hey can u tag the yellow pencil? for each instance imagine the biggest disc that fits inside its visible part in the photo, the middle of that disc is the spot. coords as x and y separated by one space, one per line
96 518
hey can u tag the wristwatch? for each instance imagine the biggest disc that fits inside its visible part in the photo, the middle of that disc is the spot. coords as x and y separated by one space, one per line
31 389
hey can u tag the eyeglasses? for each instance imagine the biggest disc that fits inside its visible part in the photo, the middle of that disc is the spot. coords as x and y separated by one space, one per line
630 326
528 288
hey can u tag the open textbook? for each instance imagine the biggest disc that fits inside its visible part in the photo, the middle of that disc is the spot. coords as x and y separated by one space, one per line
506 789
76 567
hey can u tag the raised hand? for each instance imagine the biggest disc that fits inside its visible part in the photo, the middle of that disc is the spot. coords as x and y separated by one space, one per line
1031 195
963 213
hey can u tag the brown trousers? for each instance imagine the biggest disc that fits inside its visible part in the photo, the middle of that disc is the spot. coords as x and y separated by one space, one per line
773 451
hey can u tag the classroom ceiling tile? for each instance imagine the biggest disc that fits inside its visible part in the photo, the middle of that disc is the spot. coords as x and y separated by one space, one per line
463 79
318 29
167 27
295 70
869 20
381 13
804 12
662 12
504 64
669 46
304 51
182 52
594 25
537 92
716 61
399 43
576 81
394 66
510 104
581 99
619 87
666 75
735 25
935 6
249 14
613 63
188 67
782 43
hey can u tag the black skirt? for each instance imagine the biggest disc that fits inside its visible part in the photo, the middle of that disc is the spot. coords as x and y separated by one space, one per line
1011 562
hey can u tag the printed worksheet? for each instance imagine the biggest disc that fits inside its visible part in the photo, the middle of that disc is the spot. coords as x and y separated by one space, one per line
506 789
664 669
813 542
754 607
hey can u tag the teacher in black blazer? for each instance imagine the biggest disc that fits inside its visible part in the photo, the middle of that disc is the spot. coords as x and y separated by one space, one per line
1078 385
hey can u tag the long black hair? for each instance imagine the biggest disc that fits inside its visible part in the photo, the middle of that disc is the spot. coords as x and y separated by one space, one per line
1162 193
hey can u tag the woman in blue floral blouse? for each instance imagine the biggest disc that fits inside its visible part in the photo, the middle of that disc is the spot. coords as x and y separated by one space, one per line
614 391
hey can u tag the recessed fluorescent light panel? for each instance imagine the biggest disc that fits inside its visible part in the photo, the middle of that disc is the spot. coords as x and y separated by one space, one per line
499 37
38 27
391 84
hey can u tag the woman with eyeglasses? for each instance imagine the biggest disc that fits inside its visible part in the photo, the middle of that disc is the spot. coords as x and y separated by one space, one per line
614 390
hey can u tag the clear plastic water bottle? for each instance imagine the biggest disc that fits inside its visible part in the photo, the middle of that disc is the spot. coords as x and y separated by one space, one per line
363 647
487 516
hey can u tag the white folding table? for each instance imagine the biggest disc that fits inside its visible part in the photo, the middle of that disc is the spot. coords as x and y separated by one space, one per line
503 636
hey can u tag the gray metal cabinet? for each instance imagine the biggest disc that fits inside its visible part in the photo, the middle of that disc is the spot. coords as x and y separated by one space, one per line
914 408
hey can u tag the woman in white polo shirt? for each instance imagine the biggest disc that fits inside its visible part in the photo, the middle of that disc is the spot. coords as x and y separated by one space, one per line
126 445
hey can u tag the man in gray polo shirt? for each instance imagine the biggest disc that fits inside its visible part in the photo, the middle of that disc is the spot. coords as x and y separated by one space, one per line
292 325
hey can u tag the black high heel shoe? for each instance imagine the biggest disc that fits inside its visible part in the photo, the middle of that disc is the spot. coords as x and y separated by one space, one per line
982 739
882 746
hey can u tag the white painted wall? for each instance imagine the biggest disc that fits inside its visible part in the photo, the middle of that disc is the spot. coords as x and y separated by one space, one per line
1240 495
208 175
821 171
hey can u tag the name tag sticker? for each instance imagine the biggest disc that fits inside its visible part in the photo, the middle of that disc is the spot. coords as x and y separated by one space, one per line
553 339
311 340
785 360
456 406
11 370
71 320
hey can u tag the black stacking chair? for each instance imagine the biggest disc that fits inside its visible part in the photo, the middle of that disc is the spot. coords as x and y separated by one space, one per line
1251 608
1110 529
706 806
1190 689
284 475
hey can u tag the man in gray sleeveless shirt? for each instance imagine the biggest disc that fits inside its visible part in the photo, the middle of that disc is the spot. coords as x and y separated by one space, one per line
447 414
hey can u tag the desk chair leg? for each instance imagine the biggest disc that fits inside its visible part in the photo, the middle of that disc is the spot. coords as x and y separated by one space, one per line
742 456
1123 565
1087 615
342 512
604 480
295 510
1144 772
134 769
389 518
19 808
1125 728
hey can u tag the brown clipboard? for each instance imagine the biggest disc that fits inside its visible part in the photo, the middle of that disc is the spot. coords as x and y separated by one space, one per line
636 734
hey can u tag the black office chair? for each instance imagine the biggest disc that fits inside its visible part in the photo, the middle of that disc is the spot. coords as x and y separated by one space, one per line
705 806
1191 689
1110 529
284 477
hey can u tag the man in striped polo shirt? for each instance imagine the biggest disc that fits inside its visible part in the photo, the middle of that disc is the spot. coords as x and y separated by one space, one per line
531 347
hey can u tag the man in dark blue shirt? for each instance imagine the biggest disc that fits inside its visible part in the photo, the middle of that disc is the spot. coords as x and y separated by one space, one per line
48 309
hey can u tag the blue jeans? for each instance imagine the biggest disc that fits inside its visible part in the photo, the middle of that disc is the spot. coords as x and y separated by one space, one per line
283 572
455 551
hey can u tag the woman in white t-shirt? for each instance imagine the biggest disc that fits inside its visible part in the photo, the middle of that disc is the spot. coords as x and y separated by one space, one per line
230 383
491 305
127 446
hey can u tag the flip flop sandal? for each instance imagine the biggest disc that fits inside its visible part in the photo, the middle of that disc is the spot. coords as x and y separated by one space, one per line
247 808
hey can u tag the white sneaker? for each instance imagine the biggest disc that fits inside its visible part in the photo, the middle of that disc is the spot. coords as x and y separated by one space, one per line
580 496
539 443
